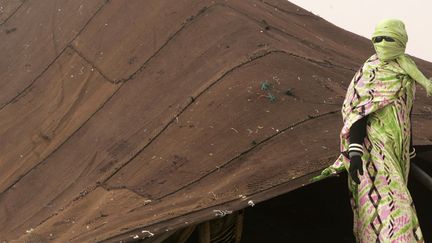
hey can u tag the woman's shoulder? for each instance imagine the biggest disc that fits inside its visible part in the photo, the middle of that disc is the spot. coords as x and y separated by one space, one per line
373 58
374 63
371 63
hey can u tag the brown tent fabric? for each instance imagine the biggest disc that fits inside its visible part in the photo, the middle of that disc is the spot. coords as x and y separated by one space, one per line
121 120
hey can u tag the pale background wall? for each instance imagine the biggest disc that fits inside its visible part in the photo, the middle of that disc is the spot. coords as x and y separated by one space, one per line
361 16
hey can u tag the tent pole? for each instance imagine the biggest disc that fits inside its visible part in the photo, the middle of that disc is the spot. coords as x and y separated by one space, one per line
421 176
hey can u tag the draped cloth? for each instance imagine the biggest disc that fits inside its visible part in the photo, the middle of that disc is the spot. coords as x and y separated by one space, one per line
383 90
382 205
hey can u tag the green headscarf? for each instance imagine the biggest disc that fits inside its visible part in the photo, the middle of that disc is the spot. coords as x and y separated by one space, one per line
396 50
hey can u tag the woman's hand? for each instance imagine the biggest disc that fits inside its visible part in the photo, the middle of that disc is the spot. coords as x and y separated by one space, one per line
429 88
356 168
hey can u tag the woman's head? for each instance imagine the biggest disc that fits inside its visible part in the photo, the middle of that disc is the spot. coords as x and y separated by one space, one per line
389 39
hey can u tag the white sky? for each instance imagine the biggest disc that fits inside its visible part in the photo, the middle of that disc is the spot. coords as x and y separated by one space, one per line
361 16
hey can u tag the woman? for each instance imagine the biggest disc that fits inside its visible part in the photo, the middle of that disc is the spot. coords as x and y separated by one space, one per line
375 139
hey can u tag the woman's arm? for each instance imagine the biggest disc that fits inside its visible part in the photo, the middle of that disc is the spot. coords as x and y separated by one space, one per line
355 151
357 135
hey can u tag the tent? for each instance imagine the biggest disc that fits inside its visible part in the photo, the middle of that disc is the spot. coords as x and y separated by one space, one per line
122 120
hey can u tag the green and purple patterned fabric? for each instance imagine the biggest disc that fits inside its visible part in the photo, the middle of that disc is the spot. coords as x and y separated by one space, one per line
382 205
383 90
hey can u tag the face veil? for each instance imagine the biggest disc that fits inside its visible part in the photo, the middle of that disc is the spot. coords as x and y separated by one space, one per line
395 29
395 50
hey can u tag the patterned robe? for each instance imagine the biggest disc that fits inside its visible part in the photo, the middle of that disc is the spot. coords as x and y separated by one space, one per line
382 205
